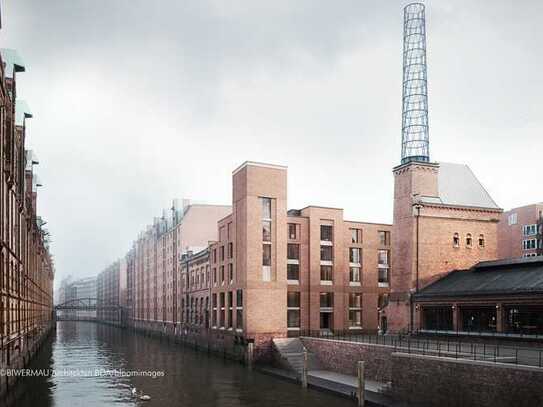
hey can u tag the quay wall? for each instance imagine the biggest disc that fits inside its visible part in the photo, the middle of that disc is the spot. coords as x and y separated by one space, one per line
448 382
426 380
21 358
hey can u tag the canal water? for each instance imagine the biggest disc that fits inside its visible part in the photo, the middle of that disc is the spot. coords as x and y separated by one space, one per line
98 365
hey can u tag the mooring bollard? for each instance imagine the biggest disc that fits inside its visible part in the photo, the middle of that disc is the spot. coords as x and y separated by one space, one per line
304 371
361 384
250 350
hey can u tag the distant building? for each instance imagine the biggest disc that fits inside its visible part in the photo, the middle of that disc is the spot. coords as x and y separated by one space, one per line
520 232
144 282
73 290
108 294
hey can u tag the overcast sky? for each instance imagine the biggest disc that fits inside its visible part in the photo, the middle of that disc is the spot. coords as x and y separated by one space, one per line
137 102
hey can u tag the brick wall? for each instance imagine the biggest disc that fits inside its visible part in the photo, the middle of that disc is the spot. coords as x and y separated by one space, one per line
434 381
445 382
341 357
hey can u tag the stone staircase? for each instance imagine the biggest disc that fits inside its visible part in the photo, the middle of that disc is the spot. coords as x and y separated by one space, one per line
291 351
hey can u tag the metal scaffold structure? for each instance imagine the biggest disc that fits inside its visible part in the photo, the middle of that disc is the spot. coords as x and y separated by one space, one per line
415 137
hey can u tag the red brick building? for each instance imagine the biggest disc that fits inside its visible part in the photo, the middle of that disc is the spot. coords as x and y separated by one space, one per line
274 272
520 232
444 220
153 276
26 266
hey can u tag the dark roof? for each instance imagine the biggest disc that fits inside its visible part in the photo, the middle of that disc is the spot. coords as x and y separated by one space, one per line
294 212
501 277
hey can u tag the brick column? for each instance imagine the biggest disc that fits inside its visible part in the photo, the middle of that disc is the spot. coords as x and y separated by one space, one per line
456 317
499 318
417 320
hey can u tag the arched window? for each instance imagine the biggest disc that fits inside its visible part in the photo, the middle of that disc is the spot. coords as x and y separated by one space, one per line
456 240
469 240
481 241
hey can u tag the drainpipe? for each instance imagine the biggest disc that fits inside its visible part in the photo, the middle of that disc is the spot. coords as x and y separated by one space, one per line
417 206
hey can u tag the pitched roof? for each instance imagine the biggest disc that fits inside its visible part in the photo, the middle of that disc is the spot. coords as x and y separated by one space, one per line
501 277
458 186
13 61
22 112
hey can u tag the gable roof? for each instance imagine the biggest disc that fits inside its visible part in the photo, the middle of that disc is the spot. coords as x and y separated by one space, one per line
501 277
458 186
13 61
22 112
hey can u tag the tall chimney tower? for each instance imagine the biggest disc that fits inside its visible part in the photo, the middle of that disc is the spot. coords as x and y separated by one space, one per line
415 138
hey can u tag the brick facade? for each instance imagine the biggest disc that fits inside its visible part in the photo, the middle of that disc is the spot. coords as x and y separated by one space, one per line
26 266
432 239
267 271
520 232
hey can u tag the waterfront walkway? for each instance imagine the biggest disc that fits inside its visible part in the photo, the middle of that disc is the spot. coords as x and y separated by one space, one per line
338 383
348 385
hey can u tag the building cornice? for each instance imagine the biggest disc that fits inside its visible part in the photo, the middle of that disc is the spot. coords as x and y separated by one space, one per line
258 164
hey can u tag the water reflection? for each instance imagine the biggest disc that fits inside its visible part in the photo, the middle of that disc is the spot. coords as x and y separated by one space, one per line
190 378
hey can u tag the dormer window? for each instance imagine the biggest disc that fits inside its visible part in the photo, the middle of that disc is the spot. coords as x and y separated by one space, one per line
469 240
456 240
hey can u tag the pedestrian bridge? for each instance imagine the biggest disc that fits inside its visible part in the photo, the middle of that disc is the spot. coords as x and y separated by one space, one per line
78 309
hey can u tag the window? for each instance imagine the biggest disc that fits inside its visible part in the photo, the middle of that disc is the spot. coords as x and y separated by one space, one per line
382 301
214 255
293 310
266 262
529 244
214 310
266 255
293 299
383 267
326 273
222 274
326 300
529 230
229 231
266 231
354 275
481 241
293 272
384 238
356 236
469 240
512 219
222 310
326 253
266 208
292 231
354 255
266 238
239 309
230 250
355 310
230 308
221 253
230 272
326 233
293 251
456 240
214 275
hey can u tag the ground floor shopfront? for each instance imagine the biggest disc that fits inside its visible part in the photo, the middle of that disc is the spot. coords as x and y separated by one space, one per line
501 315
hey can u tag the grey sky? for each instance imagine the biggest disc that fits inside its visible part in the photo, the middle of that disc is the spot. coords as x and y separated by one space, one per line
136 102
